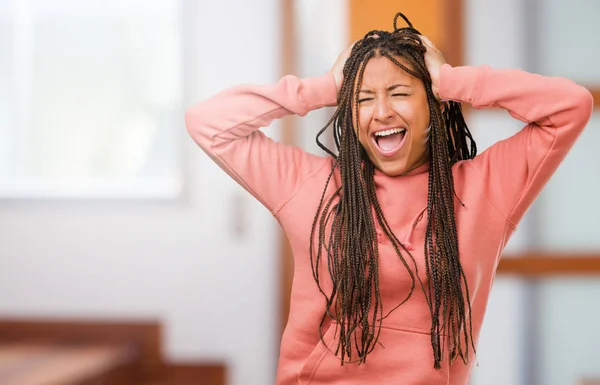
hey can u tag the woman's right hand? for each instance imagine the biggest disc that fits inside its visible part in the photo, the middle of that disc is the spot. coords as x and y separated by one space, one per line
338 67
434 60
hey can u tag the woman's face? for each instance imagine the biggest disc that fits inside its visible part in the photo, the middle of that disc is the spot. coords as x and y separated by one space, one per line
393 117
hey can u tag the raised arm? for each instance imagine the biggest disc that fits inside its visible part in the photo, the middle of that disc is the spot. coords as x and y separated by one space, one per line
226 127
556 110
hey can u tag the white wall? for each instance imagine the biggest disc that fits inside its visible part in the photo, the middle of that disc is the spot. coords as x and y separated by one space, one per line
176 261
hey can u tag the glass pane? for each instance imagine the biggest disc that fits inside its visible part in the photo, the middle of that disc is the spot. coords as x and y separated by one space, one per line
568 319
105 91
568 209
98 93
567 32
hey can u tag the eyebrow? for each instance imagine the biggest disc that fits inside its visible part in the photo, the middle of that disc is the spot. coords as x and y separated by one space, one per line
390 88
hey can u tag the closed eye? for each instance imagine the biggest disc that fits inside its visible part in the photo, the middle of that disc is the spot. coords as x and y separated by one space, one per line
400 94
364 100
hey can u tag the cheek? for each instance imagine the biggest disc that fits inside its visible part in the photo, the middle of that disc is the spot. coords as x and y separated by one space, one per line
415 115
364 120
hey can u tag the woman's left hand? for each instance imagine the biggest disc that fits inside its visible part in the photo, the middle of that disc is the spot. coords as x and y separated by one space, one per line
434 60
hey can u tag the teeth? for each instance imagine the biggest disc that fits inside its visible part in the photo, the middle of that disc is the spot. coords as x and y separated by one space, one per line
390 132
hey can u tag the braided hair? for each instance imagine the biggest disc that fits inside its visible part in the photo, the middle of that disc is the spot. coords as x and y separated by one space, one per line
352 256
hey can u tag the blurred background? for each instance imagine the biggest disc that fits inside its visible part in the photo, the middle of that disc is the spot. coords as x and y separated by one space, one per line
128 257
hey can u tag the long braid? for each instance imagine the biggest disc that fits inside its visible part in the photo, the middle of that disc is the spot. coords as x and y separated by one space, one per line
354 300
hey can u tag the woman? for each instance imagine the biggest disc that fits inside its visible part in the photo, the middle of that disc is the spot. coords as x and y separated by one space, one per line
396 237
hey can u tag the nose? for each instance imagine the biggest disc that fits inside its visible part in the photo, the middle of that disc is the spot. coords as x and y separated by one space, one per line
383 111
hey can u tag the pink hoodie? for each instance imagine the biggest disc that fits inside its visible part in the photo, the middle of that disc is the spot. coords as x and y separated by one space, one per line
496 187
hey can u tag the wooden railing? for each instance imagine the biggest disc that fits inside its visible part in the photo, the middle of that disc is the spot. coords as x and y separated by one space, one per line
542 265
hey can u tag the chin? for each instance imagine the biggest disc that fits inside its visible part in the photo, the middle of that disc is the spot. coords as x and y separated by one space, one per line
390 169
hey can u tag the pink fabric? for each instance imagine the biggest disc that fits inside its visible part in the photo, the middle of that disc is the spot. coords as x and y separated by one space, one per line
497 187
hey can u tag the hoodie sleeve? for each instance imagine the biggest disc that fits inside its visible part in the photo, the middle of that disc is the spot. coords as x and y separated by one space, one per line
555 111
226 126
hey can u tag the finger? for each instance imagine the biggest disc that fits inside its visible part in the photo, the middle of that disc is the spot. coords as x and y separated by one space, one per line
427 41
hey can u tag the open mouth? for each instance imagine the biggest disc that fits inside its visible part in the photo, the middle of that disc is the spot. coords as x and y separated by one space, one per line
389 141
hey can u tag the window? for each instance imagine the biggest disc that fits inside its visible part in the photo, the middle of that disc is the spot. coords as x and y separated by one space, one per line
91 103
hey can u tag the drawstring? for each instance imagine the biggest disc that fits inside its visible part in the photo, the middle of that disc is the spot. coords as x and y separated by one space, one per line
381 238
407 243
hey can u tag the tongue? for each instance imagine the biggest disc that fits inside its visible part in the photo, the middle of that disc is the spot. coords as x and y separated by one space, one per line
389 142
